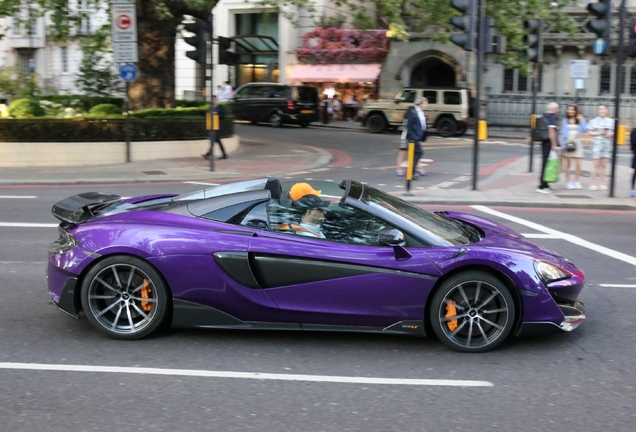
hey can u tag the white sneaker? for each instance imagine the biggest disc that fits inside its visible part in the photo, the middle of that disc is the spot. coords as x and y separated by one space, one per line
603 187
577 185
544 191
593 187
570 185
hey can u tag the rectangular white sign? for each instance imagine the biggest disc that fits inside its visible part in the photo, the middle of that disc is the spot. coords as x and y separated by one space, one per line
579 68
124 27
125 52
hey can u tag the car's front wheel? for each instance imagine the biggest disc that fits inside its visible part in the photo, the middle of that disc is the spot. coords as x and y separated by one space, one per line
472 312
125 297
275 120
376 123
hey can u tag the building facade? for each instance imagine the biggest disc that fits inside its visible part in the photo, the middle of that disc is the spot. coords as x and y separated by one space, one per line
57 64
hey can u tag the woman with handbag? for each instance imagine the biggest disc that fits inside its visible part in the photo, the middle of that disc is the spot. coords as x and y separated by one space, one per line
573 127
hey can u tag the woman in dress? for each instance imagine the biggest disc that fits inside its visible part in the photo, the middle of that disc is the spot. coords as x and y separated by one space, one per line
573 127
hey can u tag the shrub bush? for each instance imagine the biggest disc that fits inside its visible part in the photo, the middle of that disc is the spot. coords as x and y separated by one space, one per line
104 110
85 103
189 103
25 108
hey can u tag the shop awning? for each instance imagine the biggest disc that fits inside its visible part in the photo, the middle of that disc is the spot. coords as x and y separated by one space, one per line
335 72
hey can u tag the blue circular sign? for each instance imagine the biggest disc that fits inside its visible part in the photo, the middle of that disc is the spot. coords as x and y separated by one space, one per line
128 72
599 46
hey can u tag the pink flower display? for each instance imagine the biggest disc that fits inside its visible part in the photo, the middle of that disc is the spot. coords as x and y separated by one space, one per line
332 45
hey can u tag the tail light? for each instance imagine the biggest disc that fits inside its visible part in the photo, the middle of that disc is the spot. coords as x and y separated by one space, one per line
290 104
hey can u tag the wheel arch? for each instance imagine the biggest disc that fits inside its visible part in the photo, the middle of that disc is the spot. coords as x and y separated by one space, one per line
503 277
377 111
77 294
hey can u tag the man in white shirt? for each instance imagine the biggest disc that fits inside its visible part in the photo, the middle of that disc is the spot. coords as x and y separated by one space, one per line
226 93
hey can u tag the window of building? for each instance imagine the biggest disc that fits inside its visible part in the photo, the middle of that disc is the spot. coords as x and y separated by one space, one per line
605 79
15 28
32 24
509 80
632 81
623 79
85 24
64 59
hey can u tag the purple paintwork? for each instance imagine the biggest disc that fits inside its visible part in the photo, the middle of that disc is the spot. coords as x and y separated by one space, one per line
181 247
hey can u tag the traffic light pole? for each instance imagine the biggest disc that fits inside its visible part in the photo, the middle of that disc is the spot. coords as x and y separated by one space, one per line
481 6
533 118
211 95
619 86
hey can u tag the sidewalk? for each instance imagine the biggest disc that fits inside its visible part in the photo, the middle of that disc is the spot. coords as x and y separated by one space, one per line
507 185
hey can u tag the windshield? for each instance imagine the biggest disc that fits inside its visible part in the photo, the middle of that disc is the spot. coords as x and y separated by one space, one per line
437 230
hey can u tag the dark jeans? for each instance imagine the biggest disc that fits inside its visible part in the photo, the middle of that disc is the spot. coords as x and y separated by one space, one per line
546 147
217 139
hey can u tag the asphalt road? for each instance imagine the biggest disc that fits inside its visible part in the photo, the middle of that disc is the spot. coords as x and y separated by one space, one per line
582 381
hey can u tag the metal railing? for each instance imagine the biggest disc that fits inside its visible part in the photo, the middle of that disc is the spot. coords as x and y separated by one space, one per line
515 110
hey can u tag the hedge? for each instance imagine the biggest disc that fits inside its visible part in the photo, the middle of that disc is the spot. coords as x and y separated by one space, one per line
25 108
108 129
85 103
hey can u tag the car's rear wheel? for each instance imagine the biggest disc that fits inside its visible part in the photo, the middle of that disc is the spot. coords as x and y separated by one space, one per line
125 297
376 123
304 124
472 312
461 130
275 120
446 127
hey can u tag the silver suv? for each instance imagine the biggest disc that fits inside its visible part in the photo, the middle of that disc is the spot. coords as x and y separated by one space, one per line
448 110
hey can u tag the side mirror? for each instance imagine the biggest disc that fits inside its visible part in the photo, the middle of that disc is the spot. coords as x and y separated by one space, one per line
390 237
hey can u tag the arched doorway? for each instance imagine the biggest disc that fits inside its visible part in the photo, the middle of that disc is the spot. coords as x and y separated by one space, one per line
433 72
430 68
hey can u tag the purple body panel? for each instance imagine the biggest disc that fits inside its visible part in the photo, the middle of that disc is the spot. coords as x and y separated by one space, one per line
181 248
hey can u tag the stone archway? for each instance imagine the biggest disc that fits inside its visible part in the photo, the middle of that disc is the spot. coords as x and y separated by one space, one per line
430 68
433 72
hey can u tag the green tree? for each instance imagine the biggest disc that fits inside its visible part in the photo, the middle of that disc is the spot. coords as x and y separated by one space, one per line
14 85
96 77
157 25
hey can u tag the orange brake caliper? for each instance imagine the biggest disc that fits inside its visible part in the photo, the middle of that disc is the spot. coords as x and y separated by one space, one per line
451 311
145 293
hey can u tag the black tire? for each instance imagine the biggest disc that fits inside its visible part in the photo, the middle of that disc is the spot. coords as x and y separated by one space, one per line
254 122
304 124
376 123
446 127
458 315
461 130
275 119
125 297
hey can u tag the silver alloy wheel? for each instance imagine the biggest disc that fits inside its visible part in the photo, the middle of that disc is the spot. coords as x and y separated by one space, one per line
275 120
474 315
122 299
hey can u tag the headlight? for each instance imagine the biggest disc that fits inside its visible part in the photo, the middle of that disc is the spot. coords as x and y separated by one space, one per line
549 273
65 242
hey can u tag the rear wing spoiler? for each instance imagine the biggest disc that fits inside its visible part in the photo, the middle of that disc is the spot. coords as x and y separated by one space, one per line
79 208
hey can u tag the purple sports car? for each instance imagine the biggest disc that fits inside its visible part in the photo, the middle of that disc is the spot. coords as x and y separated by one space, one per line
234 256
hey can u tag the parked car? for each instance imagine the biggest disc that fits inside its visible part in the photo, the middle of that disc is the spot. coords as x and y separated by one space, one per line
235 256
448 110
275 104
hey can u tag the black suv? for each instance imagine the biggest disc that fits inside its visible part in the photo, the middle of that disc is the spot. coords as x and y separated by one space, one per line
275 104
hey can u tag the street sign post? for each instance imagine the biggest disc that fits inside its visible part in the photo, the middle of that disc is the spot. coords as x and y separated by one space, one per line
128 72
579 69
124 28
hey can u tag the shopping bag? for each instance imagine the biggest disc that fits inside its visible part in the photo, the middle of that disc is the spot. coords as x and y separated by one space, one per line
551 173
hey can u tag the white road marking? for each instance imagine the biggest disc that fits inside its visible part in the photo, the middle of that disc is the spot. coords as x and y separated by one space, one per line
27 225
617 286
565 236
18 196
202 183
541 236
245 375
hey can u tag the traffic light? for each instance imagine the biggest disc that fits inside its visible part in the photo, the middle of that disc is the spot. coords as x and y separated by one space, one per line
631 49
532 40
201 30
467 23
226 56
602 25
